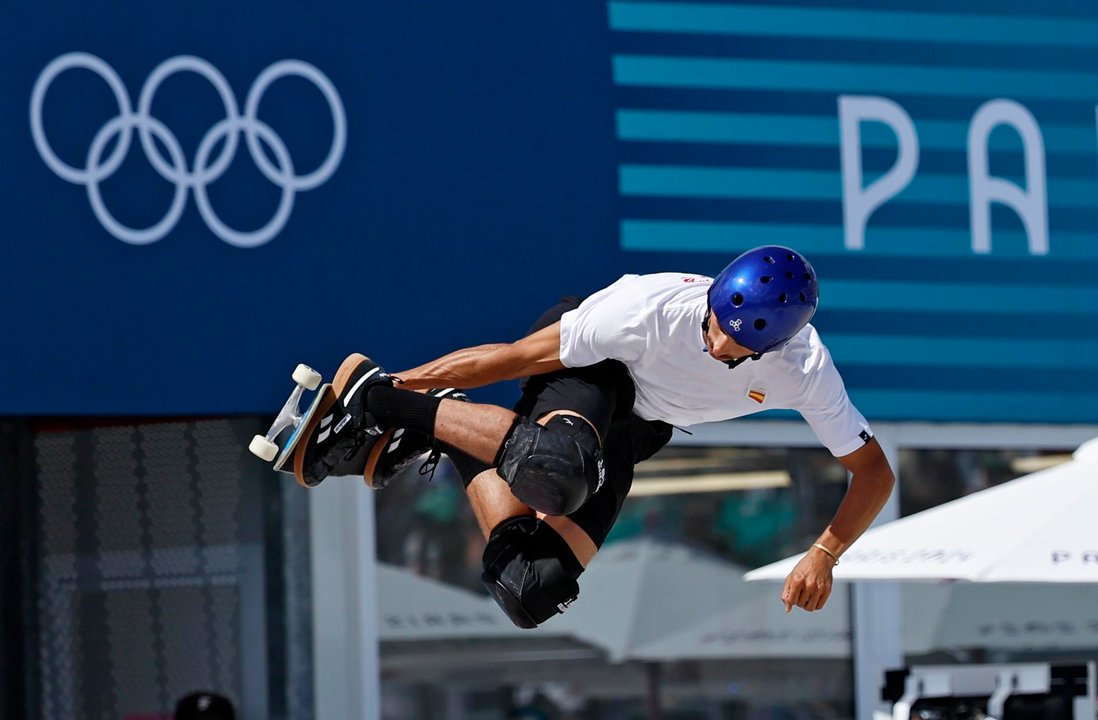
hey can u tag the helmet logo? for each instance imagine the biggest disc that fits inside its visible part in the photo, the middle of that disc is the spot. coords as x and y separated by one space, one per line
735 324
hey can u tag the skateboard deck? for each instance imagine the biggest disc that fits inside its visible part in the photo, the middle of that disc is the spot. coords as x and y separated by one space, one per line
293 429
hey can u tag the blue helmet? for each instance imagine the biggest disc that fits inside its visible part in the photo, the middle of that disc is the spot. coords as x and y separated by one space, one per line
764 297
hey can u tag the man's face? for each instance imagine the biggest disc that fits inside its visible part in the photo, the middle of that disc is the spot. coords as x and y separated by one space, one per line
720 344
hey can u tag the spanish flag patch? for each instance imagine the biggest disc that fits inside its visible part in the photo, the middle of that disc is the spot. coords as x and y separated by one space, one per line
757 394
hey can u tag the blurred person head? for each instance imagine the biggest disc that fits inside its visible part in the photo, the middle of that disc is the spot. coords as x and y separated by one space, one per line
204 705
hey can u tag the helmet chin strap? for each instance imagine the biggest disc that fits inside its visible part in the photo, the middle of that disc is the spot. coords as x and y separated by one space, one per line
734 362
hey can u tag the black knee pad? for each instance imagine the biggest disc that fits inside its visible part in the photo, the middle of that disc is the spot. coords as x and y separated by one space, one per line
555 468
530 571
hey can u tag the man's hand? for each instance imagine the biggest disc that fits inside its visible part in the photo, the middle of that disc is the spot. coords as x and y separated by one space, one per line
809 585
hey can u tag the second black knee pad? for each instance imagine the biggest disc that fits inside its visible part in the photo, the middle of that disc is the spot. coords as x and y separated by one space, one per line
530 571
555 468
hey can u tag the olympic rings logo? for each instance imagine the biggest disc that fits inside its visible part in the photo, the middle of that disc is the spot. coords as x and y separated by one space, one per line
174 168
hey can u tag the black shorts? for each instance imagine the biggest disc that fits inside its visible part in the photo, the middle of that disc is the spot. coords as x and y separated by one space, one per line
603 394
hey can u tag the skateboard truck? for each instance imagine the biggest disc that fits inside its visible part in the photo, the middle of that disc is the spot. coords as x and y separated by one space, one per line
291 416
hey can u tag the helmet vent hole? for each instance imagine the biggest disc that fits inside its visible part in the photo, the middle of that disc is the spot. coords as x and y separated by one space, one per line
783 298
790 257
765 279
737 299
803 298
808 276
760 324
768 259
789 275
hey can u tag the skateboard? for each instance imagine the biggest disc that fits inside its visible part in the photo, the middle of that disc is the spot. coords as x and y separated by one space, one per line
289 435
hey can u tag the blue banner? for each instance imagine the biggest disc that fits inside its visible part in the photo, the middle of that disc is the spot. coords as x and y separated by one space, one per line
197 198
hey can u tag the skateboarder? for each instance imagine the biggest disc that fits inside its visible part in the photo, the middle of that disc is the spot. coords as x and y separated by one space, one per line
608 377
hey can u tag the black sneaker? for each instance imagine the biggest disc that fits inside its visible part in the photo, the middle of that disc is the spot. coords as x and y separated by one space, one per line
341 427
398 449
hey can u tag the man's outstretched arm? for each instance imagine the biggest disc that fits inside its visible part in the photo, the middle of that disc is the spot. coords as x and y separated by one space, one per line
486 364
871 481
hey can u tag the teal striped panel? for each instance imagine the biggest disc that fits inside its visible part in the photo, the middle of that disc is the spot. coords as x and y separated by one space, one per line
713 182
818 130
973 297
1015 352
774 184
1026 404
956 81
846 24
700 236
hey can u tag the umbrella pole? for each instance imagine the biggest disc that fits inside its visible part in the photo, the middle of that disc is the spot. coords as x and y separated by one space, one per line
652 698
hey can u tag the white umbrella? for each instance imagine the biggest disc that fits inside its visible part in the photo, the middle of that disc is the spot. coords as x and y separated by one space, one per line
1017 618
1037 528
756 629
636 591
937 617
651 601
412 607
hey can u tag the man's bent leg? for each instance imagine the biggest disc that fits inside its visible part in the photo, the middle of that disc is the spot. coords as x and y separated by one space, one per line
537 582
629 441
552 468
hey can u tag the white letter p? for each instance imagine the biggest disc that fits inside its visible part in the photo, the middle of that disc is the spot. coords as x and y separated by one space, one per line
858 202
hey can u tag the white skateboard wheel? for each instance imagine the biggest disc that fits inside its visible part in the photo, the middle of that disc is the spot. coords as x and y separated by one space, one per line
307 377
263 448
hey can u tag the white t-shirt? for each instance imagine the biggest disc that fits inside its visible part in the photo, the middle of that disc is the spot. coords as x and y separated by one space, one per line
652 324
